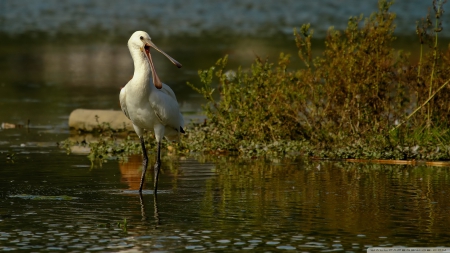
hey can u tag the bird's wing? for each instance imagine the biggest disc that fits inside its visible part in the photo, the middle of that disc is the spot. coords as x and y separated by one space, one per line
166 108
123 101
166 89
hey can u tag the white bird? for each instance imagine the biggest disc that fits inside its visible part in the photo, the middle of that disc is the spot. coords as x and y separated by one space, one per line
149 103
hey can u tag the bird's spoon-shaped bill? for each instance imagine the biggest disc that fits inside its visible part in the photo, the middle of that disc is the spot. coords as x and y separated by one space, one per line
156 80
176 63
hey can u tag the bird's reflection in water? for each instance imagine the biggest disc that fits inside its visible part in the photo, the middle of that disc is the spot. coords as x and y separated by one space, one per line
131 171
155 208
131 175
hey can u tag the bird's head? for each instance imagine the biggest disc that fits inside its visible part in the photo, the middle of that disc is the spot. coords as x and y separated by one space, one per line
141 41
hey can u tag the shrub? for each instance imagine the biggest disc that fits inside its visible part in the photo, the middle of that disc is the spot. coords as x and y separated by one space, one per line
360 98
356 94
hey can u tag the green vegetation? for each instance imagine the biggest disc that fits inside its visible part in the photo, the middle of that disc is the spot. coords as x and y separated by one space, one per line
10 157
360 98
123 225
353 101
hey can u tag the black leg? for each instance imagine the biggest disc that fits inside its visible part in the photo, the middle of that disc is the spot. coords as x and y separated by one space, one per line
144 163
157 167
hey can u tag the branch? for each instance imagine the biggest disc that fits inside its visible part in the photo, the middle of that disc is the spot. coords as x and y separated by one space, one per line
420 107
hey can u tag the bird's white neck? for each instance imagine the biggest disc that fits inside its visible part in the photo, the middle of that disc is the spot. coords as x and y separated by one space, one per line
142 70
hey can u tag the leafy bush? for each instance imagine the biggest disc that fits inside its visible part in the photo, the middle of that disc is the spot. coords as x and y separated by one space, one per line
360 99
355 96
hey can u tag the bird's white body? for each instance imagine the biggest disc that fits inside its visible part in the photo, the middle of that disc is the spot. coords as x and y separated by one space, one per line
151 109
147 102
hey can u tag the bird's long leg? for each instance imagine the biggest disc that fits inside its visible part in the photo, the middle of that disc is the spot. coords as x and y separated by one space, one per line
157 166
144 163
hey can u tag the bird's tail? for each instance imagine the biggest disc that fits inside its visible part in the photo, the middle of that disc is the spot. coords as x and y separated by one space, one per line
176 136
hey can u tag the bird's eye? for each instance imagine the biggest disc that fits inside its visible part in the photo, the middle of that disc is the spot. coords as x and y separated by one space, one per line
142 38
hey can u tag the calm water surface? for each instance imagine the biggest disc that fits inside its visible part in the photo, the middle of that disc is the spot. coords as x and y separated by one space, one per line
53 201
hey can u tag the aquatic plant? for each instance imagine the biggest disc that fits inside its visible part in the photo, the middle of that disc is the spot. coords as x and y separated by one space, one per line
10 157
123 225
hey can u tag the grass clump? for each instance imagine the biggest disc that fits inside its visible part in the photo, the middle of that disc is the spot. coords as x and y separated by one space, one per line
360 99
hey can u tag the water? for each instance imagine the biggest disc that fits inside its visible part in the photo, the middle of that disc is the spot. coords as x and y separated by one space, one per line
57 56
218 204
172 17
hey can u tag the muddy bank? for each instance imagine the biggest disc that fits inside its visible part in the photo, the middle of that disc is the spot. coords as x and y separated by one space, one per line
87 120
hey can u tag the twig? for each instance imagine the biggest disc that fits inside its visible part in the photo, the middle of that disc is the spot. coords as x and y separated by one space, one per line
420 107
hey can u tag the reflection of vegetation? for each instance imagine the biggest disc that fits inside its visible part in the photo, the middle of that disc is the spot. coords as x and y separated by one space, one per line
359 99
41 197
347 197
